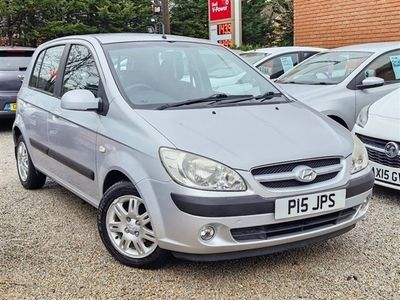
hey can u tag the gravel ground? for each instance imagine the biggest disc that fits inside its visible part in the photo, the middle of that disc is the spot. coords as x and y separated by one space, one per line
50 249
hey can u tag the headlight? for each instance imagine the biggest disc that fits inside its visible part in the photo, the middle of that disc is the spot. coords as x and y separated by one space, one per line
199 172
359 157
362 118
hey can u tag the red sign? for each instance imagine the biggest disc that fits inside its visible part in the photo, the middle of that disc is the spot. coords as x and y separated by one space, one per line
220 9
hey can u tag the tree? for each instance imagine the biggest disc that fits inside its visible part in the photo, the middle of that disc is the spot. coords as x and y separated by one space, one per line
189 18
280 14
31 20
255 23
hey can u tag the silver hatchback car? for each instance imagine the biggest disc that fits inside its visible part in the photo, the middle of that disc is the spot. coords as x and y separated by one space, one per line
185 149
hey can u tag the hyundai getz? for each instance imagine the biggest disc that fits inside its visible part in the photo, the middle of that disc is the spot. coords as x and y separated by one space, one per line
185 149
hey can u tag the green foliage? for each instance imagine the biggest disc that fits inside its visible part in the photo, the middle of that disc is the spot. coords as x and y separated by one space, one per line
48 19
265 22
255 23
189 18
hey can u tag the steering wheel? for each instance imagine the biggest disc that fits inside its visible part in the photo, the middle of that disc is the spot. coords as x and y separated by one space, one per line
138 86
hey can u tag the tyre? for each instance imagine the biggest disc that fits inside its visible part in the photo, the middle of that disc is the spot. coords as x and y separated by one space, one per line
125 228
29 177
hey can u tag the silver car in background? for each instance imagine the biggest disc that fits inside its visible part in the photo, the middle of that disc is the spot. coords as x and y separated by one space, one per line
340 82
179 160
275 61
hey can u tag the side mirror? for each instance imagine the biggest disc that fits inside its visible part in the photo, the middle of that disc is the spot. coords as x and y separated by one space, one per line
371 82
82 100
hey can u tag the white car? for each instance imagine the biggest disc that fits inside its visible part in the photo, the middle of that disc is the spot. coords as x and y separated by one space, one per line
341 81
274 62
378 127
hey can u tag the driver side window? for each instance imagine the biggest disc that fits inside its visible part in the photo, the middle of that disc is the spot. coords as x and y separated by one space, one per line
81 71
387 67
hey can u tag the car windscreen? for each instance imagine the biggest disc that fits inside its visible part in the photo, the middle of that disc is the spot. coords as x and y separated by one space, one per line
15 60
151 74
326 68
253 57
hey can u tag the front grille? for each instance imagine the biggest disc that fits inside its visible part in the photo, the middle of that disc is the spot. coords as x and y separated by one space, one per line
266 232
383 159
287 167
379 156
374 142
294 183
277 182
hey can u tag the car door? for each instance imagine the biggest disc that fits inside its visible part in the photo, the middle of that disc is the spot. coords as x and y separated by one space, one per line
36 100
387 67
72 134
278 65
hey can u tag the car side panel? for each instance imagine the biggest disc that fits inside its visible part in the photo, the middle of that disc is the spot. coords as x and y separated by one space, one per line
72 143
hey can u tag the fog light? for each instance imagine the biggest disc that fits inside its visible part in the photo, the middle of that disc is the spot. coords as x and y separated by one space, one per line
207 233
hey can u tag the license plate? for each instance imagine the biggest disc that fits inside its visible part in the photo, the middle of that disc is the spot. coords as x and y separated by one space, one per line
10 107
386 174
309 204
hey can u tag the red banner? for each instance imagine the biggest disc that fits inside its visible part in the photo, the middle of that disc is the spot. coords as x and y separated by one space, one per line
220 9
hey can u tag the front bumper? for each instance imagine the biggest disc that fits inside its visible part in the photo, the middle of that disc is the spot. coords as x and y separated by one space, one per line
177 230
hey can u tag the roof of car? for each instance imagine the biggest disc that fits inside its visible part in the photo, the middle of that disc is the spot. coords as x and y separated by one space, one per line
108 38
371 47
274 50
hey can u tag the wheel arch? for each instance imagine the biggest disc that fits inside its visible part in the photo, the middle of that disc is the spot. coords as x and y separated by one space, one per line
16 132
114 176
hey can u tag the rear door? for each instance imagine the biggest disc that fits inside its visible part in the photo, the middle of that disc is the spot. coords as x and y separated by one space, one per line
387 67
36 100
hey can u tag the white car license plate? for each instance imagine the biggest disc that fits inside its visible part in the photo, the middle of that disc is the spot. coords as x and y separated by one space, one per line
309 204
386 174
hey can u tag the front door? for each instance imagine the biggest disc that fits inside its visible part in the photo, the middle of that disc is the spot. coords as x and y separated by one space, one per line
73 134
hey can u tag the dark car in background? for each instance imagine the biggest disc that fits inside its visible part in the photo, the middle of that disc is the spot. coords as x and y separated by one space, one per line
13 64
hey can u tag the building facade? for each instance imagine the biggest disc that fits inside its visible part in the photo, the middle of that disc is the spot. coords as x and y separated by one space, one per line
330 23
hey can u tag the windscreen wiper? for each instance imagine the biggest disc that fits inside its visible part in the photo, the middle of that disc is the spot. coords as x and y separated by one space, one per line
268 96
213 98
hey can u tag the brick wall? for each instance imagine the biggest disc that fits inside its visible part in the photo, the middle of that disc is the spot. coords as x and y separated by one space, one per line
335 23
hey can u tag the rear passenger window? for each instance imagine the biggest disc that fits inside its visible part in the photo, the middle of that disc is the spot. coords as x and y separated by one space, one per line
81 71
49 69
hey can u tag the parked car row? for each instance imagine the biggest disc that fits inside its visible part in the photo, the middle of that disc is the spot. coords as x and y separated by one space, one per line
188 150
